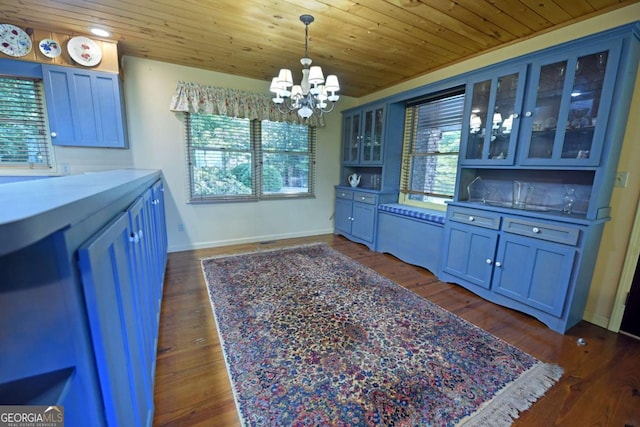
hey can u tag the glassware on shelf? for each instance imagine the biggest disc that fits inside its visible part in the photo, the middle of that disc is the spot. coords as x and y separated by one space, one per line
569 200
521 193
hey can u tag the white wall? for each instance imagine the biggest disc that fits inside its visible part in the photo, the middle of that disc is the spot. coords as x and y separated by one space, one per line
157 141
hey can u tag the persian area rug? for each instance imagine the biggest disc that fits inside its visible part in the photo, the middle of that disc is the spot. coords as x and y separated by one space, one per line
313 338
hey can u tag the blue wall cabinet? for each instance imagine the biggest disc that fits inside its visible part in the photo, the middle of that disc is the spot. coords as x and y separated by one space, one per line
568 105
364 150
351 137
493 106
363 136
85 107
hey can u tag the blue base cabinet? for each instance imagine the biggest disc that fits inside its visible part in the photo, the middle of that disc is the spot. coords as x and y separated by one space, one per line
356 213
80 307
119 327
122 276
538 264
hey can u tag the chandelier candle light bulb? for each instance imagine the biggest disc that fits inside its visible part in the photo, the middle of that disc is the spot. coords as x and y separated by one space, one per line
313 92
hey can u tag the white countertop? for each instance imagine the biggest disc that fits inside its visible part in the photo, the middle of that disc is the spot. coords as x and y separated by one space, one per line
31 210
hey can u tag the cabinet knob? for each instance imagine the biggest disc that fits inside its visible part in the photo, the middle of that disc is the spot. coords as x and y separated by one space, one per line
471 218
535 230
528 114
488 261
498 264
134 238
516 115
363 198
54 134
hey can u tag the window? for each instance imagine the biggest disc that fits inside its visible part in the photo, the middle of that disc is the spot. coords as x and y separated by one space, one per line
24 141
232 159
432 131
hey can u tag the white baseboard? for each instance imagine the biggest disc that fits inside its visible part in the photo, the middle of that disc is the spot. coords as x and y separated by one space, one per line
596 319
249 239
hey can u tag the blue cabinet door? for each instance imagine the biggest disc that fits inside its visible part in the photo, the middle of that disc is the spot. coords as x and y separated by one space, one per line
568 105
351 137
84 107
343 217
491 122
364 217
469 253
534 272
108 279
160 232
144 282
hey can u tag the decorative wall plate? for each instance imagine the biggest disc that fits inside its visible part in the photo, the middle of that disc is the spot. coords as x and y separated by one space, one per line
84 51
50 48
14 41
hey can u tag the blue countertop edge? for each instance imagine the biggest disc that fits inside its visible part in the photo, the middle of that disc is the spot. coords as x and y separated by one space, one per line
32 210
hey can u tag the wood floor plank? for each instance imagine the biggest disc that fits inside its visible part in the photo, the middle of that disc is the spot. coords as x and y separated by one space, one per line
600 387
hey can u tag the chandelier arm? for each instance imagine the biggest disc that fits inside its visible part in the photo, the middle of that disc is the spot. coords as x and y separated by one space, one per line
333 105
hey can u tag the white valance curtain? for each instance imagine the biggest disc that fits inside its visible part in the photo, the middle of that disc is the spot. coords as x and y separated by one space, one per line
202 99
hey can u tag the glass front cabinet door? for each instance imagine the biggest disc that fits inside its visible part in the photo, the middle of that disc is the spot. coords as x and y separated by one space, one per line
351 138
363 133
567 107
493 117
372 137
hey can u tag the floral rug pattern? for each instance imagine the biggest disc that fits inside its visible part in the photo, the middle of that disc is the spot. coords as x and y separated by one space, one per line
313 338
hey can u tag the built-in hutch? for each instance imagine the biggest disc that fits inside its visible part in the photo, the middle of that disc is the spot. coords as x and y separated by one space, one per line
369 174
540 143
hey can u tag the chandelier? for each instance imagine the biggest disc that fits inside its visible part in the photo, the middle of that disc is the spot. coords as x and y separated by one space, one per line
313 94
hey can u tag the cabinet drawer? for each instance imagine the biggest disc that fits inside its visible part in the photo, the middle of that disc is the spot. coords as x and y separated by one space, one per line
550 232
474 217
365 198
344 194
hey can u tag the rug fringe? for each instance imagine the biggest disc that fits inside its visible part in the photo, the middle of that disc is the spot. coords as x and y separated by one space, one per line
517 397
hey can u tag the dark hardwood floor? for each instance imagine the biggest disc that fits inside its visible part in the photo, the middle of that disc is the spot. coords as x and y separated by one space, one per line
600 386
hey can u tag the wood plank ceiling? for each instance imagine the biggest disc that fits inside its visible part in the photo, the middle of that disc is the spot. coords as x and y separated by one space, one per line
370 44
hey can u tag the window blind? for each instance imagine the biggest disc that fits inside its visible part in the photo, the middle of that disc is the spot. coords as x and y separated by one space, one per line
432 134
23 129
220 156
232 159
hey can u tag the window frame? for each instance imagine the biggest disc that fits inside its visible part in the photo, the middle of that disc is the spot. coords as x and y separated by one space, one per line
48 167
256 152
409 154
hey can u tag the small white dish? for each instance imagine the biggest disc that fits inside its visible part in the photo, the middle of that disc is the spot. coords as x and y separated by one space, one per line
50 48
